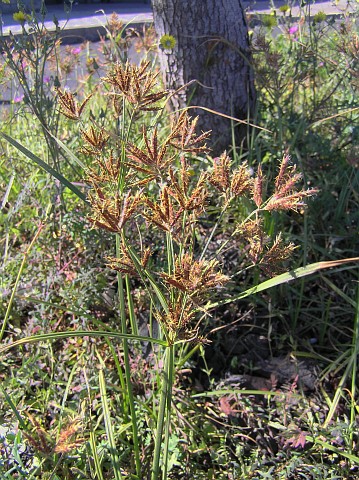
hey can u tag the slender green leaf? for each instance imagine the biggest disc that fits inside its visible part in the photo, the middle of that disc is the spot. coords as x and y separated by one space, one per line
327 446
109 428
18 277
339 392
339 292
237 391
7 193
13 407
79 333
68 151
145 274
96 459
284 278
45 167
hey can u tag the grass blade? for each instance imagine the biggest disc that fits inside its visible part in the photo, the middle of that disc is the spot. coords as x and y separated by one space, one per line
13 408
22 266
284 278
95 457
45 167
79 333
327 446
68 151
108 426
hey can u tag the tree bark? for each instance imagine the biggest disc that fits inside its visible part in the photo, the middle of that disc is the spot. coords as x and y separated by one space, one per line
212 47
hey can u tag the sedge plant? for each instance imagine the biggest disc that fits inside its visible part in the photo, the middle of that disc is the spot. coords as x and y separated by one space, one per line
151 191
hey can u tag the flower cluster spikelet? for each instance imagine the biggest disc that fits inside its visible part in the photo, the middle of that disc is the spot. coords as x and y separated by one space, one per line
194 277
184 137
270 257
42 440
252 231
232 184
163 213
69 105
258 187
112 212
124 264
137 84
272 260
152 160
177 319
96 139
107 172
179 189
286 196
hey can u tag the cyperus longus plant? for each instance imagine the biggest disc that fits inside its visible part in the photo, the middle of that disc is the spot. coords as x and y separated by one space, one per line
148 188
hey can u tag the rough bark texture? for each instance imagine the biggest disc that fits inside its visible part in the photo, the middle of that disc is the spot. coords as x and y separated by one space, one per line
212 47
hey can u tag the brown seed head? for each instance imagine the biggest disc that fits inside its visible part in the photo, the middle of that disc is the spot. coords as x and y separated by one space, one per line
178 319
153 160
286 196
220 176
123 263
97 138
258 187
163 213
183 135
252 231
232 184
67 439
241 182
179 190
107 173
194 277
272 260
69 106
111 213
137 84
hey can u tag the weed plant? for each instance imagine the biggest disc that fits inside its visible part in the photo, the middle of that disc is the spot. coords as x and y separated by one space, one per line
145 192
151 190
108 391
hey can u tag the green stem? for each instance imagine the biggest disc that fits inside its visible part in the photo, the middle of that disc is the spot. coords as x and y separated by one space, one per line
22 266
213 232
131 308
164 415
126 354
354 382
171 354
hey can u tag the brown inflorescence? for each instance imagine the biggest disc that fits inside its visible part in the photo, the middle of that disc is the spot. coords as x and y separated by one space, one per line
137 84
70 107
112 212
124 264
152 183
184 137
232 184
286 196
194 277
153 159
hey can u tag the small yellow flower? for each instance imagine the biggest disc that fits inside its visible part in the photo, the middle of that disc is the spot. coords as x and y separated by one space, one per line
284 8
21 17
167 42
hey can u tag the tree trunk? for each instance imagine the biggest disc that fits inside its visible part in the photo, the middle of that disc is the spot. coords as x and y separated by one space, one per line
212 48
